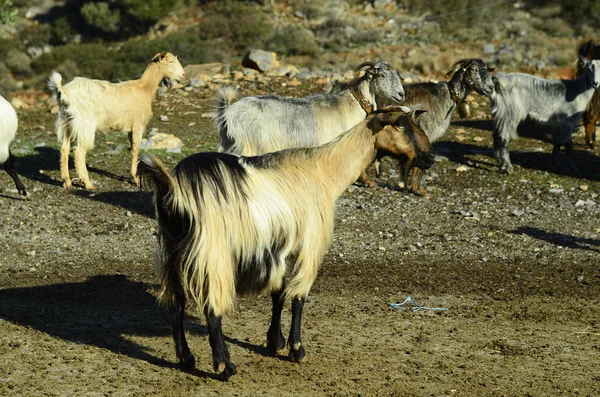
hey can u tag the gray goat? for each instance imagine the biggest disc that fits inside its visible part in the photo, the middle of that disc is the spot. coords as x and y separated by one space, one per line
555 104
441 99
262 124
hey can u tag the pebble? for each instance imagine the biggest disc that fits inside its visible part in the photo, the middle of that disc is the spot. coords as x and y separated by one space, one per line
556 190
128 213
584 188
518 212
164 118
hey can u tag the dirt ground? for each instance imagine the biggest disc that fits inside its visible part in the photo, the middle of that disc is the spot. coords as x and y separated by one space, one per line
514 259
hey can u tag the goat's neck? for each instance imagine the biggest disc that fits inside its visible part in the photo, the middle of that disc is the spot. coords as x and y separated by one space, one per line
458 91
151 78
365 98
342 160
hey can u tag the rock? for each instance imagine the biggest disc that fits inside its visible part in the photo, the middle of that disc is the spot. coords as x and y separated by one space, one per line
19 104
518 212
489 49
294 83
204 70
197 83
579 203
584 188
164 118
286 70
462 168
260 60
556 190
162 141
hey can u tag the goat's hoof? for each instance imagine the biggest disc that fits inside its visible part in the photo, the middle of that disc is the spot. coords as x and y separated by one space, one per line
90 187
276 347
67 184
187 363
297 355
371 184
226 370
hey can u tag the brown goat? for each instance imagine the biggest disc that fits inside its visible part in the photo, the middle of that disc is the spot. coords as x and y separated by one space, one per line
589 51
395 145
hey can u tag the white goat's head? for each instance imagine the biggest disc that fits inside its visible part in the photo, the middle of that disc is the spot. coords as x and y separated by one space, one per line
385 82
594 67
169 65
475 75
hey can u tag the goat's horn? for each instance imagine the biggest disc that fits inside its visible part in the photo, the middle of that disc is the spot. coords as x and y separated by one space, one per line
362 65
461 62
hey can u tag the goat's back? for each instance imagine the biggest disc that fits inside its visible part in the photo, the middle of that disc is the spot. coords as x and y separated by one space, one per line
435 98
263 124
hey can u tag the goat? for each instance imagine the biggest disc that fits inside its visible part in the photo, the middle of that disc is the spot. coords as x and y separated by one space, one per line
440 100
8 130
230 225
587 52
262 124
87 105
556 104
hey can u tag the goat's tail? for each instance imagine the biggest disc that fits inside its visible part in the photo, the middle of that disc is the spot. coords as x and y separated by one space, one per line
54 83
223 99
154 175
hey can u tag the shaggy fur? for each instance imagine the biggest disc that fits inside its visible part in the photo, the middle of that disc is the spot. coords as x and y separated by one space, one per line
87 105
557 104
589 51
263 124
231 225
8 130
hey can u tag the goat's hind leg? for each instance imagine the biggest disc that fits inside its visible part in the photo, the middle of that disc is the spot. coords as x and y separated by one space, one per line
589 122
64 135
275 339
135 139
184 355
297 352
82 172
9 166
221 362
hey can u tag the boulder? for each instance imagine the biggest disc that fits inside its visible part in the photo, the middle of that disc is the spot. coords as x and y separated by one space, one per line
260 60
163 141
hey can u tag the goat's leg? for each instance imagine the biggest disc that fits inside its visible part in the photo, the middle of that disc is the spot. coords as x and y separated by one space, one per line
275 339
221 362
415 181
569 155
65 149
135 139
297 352
364 178
589 122
501 151
81 168
9 166
184 355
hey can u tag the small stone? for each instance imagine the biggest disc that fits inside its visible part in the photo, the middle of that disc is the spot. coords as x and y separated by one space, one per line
462 168
579 203
164 118
381 249
556 190
584 188
518 212
128 213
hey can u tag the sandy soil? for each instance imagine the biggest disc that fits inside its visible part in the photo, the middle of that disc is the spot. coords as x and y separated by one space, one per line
514 259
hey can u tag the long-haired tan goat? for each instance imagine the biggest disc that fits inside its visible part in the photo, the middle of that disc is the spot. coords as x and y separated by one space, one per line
231 225
87 105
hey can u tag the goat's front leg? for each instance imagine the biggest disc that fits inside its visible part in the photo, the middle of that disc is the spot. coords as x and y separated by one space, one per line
589 122
275 339
184 355
297 352
501 151
221 362
415 181
135 139
9 166
81 168
364 178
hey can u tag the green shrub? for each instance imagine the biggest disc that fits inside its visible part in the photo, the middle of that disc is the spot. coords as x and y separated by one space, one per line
18 62
148 10
293 40
101 16
8 14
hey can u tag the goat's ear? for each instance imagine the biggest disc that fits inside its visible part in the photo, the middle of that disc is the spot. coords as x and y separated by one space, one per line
159 57
416 113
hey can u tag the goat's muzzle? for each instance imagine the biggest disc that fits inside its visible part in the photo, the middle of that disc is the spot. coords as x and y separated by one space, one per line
424 160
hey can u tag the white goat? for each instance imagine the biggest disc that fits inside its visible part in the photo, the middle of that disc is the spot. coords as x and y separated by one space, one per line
231 225
262 124
556 104
8 130
87 105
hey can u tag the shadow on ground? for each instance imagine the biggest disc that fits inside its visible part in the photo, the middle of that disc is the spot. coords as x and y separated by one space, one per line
100 312
561 239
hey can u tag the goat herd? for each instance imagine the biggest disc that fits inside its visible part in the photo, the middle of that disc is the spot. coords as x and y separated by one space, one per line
257 215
